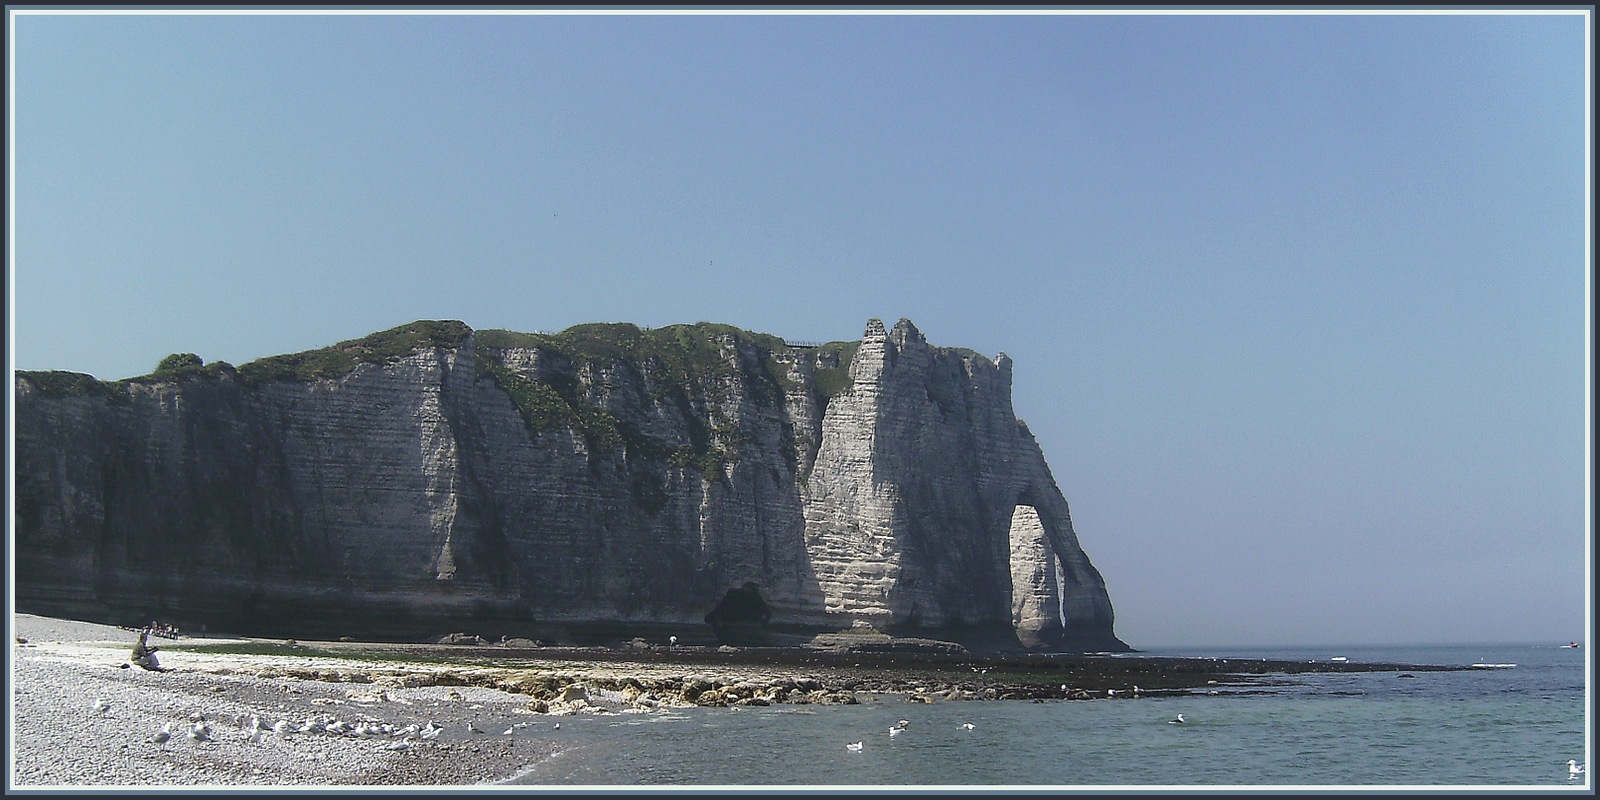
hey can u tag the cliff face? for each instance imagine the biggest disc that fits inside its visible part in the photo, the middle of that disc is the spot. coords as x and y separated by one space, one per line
436 478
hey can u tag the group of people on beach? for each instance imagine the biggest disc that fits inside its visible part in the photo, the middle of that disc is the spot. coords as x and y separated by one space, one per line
162 629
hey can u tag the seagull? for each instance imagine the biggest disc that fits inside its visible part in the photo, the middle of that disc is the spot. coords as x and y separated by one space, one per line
101 706
1574 769
472 728
509 731
969 726
162 735
431 730
255 736
201 732
904 723
1177 721
854 746
894 730
558 726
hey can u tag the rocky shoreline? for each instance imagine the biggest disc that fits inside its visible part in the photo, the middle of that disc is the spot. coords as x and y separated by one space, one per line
355 713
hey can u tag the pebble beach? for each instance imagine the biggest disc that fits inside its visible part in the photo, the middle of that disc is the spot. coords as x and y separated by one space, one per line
245 712
60 669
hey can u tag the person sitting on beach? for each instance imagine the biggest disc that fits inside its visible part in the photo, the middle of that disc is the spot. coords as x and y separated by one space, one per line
144 655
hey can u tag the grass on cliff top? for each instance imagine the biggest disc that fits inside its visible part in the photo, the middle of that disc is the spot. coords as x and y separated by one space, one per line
328 362
684 359
61 383
686 353
378 348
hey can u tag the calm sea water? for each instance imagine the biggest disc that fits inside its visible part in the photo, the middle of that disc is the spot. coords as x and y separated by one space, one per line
1511 726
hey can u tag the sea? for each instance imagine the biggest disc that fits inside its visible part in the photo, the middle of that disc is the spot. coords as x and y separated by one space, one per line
1513 724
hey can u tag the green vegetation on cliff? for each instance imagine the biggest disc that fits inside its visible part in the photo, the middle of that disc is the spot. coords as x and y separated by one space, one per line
336 361
180 361
690 362
174 368
686 362
182 366
686 355
61 383
832 374
683 355
542 404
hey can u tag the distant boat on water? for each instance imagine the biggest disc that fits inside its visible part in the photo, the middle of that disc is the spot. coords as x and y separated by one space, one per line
1572 646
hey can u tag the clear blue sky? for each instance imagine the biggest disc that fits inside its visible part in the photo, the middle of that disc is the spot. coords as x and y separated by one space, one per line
1298 303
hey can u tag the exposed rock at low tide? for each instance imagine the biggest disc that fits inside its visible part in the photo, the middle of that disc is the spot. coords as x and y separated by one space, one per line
394 694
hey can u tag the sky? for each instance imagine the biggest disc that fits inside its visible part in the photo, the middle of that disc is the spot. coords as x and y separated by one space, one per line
1298 303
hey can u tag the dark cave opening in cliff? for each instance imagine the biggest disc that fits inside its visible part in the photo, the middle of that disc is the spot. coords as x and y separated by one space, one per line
741 616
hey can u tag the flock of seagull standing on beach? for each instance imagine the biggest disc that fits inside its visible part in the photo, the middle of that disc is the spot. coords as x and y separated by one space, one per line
254 729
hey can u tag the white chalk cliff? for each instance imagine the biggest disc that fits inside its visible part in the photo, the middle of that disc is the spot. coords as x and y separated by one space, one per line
434 478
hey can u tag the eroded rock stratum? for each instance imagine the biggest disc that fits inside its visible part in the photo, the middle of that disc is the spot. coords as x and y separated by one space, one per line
605 481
